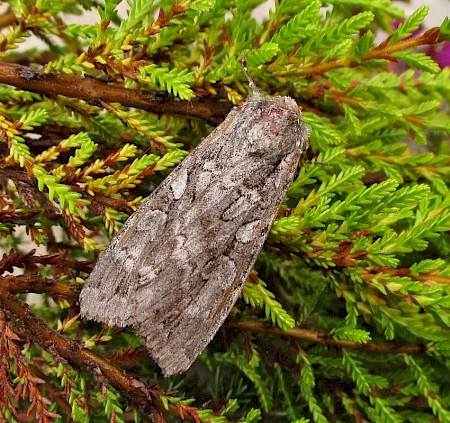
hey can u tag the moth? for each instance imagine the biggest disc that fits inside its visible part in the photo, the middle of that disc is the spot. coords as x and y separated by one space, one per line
176 268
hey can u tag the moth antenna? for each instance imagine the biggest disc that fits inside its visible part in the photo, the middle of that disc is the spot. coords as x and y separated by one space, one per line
253 86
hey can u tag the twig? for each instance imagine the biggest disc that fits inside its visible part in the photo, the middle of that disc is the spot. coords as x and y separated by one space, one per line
383 51
326 339
28 283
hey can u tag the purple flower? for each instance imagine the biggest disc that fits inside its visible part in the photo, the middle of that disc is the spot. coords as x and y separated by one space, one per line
442 54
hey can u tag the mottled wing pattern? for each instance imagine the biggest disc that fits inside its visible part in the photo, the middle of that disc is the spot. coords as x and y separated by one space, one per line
177 267
108 295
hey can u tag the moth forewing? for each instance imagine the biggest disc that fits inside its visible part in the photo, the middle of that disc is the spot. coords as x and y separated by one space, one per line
177 267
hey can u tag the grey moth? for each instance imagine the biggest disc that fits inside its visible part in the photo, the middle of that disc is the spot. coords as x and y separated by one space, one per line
178 265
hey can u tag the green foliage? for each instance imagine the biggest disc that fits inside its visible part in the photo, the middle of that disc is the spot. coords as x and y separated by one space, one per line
256 294
175 81
349 316
352 334
307 384
410 24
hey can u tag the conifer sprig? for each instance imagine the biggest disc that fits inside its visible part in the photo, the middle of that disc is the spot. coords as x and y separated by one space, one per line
348 318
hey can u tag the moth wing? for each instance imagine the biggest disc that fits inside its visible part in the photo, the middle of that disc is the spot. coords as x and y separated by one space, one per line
190 280
108 295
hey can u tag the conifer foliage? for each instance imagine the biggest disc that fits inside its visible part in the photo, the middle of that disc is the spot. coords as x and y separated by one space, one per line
346 316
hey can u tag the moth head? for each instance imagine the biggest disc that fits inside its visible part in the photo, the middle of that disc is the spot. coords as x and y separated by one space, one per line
276 129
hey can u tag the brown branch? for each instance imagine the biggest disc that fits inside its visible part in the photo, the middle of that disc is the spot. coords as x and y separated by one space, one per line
28 283
60 260
326 339
384 49
92 90
28 260
22 218
28 391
